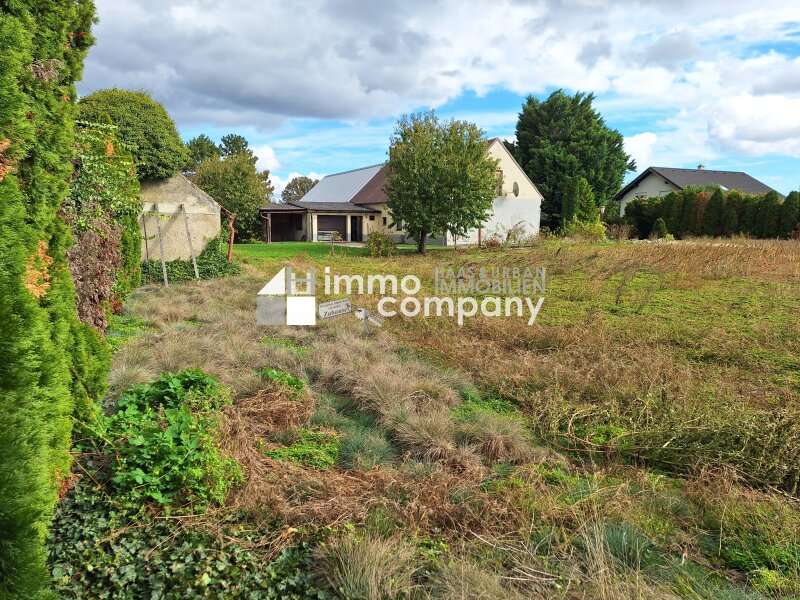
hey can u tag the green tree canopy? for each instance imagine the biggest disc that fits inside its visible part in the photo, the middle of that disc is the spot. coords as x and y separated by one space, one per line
235 183
441 178
297 188
200 149
564 137
144 124
233 143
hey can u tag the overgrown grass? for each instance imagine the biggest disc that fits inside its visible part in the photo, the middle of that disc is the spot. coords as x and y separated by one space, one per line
628 445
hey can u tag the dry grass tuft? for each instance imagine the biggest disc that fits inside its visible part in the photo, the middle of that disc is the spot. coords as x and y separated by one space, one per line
368 568
461 580
498 438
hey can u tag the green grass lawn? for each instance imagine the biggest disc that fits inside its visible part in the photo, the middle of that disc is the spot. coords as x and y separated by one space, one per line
259 252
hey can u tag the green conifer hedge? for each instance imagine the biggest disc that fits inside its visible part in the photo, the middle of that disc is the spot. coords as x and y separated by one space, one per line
46 355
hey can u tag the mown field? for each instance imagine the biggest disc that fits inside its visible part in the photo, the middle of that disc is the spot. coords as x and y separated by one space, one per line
640 440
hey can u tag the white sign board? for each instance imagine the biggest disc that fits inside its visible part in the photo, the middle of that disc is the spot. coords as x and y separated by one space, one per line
334 308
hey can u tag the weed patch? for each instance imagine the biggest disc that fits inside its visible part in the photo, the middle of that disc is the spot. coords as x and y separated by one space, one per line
314 449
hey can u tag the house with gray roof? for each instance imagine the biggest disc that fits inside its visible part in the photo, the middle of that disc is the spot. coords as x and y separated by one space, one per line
655 182
352 204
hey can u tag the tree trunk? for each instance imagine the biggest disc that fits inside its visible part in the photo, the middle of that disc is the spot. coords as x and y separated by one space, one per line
423 236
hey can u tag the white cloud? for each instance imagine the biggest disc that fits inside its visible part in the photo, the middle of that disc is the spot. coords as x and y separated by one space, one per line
267 159
640 147
261 64
279 183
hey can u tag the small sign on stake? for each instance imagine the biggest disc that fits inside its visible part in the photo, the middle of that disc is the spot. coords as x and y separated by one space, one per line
334 308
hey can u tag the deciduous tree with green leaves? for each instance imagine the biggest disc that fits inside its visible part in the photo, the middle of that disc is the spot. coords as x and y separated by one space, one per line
235 183
144 124
441 178
297 188
564 137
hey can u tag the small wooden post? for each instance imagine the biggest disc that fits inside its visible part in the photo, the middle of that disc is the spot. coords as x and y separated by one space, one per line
480 232
161 245
231 220
144 228
269 228
189 237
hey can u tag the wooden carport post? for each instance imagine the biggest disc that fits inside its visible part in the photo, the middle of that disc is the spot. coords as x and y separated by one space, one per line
269 228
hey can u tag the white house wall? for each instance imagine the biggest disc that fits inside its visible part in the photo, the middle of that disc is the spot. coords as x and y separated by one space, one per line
652 186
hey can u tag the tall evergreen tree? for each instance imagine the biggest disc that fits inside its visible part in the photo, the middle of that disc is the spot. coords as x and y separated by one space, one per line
46 355
563 137
790 215
768 218
578 203
200 149
713 216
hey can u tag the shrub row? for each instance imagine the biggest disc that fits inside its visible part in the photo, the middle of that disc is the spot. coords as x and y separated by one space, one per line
211 263
698 212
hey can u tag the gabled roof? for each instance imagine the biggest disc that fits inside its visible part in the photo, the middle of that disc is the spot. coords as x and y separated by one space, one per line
683 178
341 187
374 192
514 160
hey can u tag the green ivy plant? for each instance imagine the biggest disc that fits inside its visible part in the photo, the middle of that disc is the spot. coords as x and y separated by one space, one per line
211 264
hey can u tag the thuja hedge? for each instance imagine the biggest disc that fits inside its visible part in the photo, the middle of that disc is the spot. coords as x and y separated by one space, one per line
47 358
712 212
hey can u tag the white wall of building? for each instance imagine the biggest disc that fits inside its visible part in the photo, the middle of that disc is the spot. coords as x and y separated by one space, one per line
652 186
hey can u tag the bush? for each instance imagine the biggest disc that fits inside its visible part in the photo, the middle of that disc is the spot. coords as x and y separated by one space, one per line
144 124
162 440
659 229
103 209
211 263
45 351
593 231
380 244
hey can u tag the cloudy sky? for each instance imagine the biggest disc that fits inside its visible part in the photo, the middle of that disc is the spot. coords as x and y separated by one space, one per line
316 85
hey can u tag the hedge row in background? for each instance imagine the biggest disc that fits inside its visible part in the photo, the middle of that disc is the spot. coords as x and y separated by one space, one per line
211 263
47 357
103 209
698 212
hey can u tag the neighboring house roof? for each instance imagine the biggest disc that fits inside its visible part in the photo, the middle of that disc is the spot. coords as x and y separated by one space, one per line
683 178
341 187
374 192
328 207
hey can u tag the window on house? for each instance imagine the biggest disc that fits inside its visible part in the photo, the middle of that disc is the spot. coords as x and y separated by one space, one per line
516 189
499 174
384 221
372 217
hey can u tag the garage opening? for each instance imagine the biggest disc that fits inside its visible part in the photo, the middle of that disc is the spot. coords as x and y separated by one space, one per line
332 225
